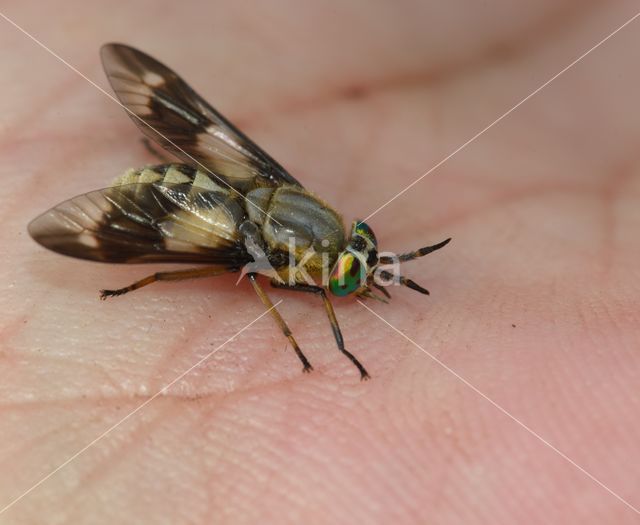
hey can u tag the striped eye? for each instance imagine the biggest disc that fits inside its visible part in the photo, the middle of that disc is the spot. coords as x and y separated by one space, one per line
363 229
347 276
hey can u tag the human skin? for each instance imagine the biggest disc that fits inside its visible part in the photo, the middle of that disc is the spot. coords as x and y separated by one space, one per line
529 338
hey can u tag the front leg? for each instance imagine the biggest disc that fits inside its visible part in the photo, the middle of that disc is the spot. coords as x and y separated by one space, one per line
332 319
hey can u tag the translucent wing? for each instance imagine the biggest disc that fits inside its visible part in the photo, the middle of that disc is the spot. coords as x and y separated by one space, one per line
170 112
138 223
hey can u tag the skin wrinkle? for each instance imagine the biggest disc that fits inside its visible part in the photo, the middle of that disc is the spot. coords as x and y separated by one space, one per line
31 443
154 386
121 449
172 360
460 477
136 399
553 24
612 188
140 439
489 55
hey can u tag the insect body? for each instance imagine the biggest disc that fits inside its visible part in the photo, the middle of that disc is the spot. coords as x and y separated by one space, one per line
228 206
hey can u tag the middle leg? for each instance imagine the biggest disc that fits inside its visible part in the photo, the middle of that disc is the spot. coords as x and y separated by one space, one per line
281 322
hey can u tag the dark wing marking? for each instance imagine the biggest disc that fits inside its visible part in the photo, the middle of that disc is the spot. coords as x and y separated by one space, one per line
195 131
139 223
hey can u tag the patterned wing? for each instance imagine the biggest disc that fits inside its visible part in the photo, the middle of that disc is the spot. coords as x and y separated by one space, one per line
170 112
146 222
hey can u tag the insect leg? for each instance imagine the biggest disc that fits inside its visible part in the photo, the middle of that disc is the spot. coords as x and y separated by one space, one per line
332 319
192 273
281 322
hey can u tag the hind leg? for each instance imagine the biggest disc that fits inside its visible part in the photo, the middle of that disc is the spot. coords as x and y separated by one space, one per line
179 275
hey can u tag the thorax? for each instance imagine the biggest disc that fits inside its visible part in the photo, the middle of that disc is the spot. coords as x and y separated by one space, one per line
295 221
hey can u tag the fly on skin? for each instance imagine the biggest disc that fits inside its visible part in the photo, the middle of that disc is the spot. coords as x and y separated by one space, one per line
226 207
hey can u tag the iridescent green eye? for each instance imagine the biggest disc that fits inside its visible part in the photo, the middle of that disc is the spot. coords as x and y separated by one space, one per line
347 276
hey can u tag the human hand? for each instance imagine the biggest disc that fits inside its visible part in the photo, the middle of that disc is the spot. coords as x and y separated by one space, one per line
533 307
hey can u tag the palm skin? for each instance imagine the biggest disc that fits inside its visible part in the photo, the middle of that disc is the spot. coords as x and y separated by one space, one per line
534 303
